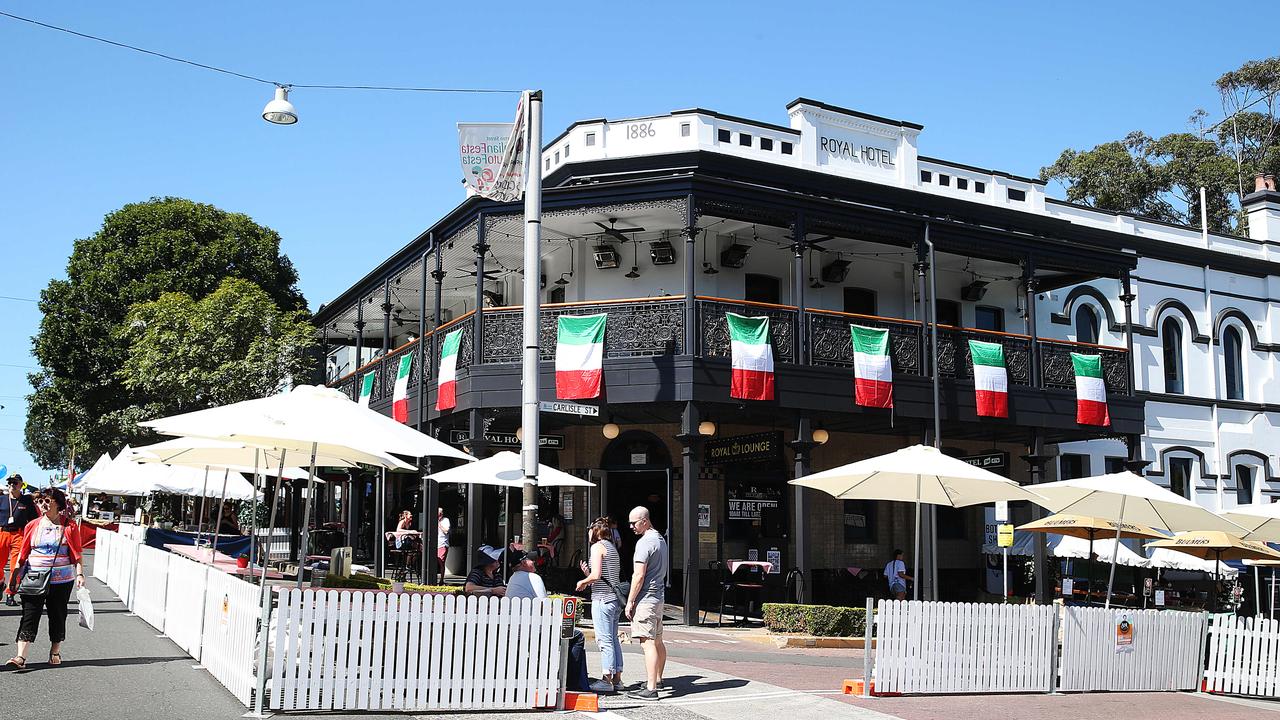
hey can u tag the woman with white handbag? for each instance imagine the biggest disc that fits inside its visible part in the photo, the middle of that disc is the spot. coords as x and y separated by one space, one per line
50 556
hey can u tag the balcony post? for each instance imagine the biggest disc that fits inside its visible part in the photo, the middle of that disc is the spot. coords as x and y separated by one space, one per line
921 267
1029 284
803 446
477 327
324 354
386 316
1127 296
479 447
690 254
797 288
1036 460
359 340
427 492
437 275
691 458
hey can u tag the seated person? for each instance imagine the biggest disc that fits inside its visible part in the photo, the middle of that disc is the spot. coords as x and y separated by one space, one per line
524 581
485 578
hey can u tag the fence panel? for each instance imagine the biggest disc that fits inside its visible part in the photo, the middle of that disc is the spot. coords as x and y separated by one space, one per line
1244 656
184 604
1166 650
230 629
935 647
151 585
275 544
120 571
102 553
339 650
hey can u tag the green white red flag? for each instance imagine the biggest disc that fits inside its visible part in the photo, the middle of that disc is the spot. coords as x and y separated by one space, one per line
446 398
366 389
872 368
990 380
1091 391
752 357
400 400
579 356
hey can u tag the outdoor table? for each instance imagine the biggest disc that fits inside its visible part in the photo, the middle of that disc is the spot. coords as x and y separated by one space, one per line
221 562
766 567
748 575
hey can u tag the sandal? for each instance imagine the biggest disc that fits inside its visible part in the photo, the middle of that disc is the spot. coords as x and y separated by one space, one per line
17 662
53 655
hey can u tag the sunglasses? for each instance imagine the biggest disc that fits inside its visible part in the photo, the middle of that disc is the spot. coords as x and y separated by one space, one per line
634 523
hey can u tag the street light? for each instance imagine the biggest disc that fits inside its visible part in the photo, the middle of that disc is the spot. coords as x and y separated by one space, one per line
280 111
821 436
610 430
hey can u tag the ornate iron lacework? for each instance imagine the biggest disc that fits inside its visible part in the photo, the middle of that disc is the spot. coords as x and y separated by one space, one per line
512 223
714 330
747 213
955 360
1056 370
831 343
634 329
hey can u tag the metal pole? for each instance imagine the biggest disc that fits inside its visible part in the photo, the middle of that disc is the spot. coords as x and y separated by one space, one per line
1115 551
380 525
937 411
869 620
306 516
222 501
204 490
915 595
253 519
532 269
271 522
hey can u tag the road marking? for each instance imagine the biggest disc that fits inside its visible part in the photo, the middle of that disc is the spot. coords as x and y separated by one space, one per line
753 696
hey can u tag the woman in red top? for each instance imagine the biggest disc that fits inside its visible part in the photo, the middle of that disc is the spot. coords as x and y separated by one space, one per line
50 541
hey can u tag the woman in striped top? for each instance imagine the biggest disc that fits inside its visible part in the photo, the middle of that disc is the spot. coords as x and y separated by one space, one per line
49 541
606 605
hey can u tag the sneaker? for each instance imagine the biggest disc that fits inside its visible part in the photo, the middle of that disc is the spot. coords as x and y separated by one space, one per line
8 600
601 687
617 687
643 694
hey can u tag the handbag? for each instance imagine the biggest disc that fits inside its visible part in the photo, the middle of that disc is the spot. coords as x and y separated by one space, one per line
35 583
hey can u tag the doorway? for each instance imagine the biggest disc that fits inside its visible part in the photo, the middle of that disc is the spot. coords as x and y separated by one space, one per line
637 473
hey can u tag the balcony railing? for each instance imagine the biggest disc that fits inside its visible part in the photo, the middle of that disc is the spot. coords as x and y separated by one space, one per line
653 327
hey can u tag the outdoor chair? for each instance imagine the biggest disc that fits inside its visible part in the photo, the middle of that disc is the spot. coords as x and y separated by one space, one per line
736 588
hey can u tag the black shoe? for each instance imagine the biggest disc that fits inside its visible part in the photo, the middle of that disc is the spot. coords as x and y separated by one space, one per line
8 600
643 694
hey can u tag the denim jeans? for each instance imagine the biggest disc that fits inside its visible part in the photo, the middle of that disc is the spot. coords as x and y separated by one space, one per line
604 618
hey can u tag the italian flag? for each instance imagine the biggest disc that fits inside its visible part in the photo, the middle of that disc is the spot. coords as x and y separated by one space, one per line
990 381
752 357
1091 391
400 401
579 356
447 378
366 389
872 369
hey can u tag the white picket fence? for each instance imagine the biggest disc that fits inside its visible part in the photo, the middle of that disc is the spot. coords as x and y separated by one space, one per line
231 614
151 586
1167 650
936 647
275 545
185 594
102 553
1244 656
385 651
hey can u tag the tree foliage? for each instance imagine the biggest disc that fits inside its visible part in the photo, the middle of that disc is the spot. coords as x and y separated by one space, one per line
1161 177
142 251
234 344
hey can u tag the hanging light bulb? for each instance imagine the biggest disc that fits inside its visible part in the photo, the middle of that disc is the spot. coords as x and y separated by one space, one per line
280 111
635 261
707 427
610 430
520 434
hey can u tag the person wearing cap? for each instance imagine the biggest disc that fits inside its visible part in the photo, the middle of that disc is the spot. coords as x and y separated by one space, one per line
484 578
524 581
16 510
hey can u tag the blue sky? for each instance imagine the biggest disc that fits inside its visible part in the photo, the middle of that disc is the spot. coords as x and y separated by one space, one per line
87 128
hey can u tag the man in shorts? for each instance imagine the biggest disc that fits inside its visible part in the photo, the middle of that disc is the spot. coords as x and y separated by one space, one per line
645 601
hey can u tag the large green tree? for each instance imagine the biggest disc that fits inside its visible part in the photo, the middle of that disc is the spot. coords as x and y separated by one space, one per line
1161 177
234 344
142 251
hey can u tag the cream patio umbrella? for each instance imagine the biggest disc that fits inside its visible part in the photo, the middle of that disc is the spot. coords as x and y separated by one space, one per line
1217 546
920 474
1129 498
315 419
1262 520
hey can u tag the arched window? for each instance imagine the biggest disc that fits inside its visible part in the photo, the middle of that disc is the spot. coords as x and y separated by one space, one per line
1086 325
1171 336
1232 357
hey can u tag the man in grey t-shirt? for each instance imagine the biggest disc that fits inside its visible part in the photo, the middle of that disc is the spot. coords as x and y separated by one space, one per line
645 601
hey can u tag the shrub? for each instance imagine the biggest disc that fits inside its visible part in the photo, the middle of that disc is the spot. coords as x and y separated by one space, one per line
820 620
369 582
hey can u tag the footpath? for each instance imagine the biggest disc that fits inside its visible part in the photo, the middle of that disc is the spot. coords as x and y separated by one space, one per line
123 669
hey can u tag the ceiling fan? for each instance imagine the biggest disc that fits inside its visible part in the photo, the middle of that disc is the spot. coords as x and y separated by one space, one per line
618 233
488 274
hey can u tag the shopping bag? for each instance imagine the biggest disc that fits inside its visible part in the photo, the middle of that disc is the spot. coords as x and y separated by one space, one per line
86 607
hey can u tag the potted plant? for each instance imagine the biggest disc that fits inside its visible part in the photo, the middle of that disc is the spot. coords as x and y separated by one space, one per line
243 560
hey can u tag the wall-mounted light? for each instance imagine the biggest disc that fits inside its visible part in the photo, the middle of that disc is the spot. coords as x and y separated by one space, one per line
734 256
662 253
821 436
606 257
520 434
707 428
610 430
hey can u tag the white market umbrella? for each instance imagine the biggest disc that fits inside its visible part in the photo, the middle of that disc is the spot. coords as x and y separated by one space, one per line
1073 548
1169 559
1126 497
919 474
504 469
1260 522
314 418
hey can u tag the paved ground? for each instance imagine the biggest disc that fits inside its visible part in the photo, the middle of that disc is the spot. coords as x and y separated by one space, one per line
123 670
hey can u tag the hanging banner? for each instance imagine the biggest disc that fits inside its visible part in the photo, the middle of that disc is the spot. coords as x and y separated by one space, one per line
493 157
1124 632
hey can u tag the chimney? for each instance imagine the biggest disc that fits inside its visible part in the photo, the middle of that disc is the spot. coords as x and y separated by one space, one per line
1262 207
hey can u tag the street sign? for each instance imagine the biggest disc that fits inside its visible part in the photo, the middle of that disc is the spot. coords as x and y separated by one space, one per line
504 439
1002 511
1004 536
567 615
568 408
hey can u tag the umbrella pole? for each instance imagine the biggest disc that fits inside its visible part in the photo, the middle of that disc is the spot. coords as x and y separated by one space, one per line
306 517
1272 593
253 514
1257 592
916 562
222 502
204 491
271 524
1111 579
1089 563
